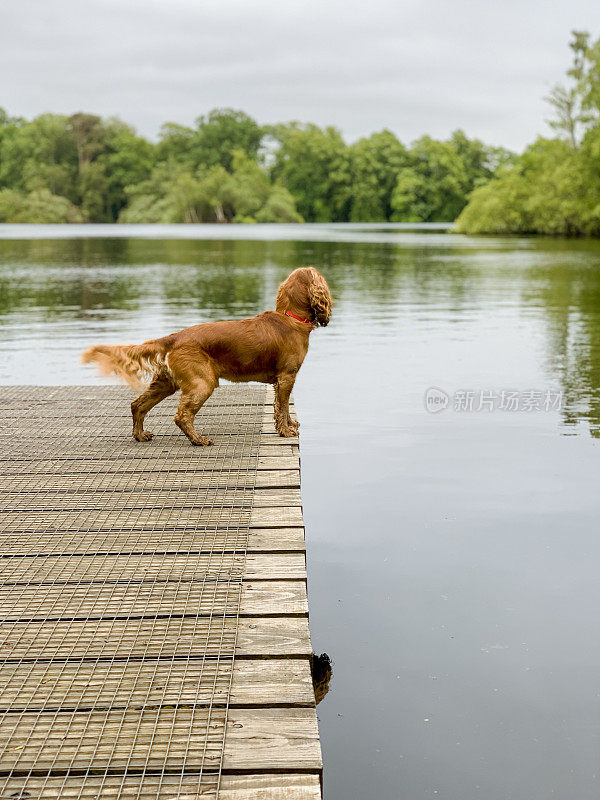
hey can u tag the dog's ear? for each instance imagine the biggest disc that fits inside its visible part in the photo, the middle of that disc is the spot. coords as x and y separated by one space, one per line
319 298
281 296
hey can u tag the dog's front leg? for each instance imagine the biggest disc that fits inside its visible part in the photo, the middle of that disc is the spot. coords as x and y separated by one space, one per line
283 422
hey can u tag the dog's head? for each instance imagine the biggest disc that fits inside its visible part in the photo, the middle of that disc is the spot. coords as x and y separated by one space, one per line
305 292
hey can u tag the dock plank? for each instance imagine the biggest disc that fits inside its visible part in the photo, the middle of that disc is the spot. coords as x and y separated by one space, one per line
149 481
149 599
47 500
161 738
75 542
224 451
136 567
143 518
167 637
53 685
275 786
186 461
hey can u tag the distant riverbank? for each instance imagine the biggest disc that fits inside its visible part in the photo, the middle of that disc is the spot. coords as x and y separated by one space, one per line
305 231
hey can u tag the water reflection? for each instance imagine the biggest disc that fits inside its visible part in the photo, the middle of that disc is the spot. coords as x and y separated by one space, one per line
567 288
321 669
41 279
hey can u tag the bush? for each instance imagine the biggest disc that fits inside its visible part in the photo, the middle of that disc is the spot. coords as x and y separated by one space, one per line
40 206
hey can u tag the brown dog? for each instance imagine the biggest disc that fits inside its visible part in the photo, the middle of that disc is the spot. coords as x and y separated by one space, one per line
269 348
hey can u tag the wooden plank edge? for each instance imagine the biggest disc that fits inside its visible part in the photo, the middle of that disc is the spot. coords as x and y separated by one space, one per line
234 786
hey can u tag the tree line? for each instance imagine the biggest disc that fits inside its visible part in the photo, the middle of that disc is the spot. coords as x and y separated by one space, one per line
554 186
228 168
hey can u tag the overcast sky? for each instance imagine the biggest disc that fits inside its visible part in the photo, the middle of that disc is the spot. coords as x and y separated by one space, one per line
413 66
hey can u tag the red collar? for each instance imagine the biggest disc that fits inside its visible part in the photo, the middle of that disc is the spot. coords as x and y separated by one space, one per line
300 319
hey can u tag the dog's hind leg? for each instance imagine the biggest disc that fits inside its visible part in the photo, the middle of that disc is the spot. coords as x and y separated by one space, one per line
161 387
193 397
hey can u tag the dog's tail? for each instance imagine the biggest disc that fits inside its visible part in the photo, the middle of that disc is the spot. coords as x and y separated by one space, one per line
136 364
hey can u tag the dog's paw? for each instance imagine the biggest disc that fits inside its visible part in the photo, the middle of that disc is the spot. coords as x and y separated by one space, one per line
202 441
144 436
287 431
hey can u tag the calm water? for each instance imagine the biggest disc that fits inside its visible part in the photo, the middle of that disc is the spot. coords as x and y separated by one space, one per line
453 557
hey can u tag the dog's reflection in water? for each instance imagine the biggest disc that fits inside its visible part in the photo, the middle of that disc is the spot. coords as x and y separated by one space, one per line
321 668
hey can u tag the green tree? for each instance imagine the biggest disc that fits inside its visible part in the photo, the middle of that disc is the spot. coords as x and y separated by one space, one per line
175 143
253 196
544 192
40 154
127 159
433 187
571 103
10 155
279 207
250 187
566 103
376 162
176 193
314 165
221 133
585 71
162 197
88 133
214 140
436 184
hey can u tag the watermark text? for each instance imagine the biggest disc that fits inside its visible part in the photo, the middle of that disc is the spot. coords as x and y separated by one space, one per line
488 400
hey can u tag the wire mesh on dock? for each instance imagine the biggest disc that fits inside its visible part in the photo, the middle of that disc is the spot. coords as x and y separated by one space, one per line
121 570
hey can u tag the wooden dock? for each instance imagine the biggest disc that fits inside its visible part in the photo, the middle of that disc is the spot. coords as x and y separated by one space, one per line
154 634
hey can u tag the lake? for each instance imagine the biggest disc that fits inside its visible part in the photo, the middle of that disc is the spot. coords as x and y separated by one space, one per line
450 428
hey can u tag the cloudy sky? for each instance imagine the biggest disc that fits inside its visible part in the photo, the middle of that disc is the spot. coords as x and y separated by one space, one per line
413 66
